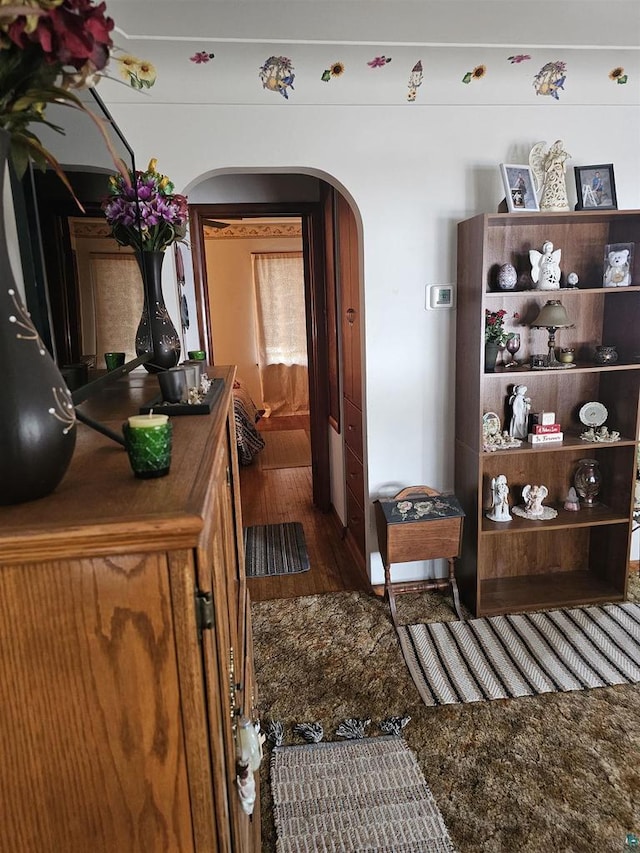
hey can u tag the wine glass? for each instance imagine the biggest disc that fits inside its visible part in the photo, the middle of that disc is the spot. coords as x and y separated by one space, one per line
513 345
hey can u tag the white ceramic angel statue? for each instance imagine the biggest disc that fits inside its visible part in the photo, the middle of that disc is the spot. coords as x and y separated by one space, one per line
520 408
545 267
499 499
548 167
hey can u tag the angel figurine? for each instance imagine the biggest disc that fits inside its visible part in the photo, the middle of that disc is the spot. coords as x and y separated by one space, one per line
545 267
548 167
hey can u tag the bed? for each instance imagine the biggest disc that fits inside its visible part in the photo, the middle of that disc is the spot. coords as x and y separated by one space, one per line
248 439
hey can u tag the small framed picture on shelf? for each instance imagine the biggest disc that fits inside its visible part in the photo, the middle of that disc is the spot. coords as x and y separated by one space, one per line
596 187
618 265
520 193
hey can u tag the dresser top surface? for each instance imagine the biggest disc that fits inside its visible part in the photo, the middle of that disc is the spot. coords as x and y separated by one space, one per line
99 498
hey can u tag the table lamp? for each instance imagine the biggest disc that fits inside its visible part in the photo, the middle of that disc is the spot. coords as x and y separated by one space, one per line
553 316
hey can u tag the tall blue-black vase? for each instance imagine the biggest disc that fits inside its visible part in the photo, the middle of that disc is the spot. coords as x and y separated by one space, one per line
156 333
37 417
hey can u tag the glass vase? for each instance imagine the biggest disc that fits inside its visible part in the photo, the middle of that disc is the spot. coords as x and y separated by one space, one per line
587 481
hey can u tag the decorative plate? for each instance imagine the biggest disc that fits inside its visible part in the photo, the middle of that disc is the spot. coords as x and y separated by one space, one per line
490 424
593 414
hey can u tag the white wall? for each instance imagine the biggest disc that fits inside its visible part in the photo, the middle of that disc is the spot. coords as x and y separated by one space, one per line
412 171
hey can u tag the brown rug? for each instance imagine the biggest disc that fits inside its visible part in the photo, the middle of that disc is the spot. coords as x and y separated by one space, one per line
287 448
366 794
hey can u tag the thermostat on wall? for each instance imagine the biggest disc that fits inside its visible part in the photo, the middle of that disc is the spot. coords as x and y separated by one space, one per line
440 296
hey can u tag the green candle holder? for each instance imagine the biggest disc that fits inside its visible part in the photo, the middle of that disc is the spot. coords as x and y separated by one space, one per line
114 360
149 449
197 354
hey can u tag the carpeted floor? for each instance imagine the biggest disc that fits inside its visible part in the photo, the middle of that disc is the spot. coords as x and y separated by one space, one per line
558 772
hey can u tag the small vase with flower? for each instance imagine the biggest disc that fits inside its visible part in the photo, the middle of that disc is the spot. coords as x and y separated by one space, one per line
148 215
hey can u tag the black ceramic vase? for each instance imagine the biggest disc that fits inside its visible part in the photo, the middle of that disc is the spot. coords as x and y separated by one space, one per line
37 417
156 333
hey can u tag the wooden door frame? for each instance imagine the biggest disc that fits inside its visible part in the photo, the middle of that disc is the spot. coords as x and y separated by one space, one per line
312 216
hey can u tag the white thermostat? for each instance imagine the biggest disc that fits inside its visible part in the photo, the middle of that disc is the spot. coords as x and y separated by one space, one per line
440 296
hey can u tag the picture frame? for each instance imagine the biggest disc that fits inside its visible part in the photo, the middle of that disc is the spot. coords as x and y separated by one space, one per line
596 187
618 265
519 188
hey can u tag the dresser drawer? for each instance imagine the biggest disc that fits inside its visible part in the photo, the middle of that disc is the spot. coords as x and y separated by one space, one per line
355 522
354 475
353 428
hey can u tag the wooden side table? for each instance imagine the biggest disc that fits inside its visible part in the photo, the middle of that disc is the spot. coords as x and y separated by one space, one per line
429 528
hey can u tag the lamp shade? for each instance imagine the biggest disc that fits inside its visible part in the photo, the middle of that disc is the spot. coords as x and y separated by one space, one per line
552 315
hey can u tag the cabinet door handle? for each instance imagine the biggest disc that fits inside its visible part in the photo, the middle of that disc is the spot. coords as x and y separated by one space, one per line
351 316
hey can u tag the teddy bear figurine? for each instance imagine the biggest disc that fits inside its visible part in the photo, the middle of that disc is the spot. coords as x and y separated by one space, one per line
617 270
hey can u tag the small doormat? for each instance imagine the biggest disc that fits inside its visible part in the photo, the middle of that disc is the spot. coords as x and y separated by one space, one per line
275 549
288 448
366 794
523 654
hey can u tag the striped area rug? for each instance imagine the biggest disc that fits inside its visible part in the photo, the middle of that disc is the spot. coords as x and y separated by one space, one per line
346 797
524 654
275 549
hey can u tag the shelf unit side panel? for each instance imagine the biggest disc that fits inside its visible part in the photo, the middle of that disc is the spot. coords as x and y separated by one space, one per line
466 490
469 333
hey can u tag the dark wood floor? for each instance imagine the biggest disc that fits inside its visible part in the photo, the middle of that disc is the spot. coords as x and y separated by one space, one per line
279 495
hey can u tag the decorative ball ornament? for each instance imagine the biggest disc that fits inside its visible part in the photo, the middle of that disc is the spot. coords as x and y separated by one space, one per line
507 277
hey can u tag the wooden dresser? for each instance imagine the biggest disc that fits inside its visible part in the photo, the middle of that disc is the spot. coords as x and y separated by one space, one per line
125 647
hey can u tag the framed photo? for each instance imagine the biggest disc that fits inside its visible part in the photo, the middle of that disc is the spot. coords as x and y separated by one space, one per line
596 187
618 265
519 189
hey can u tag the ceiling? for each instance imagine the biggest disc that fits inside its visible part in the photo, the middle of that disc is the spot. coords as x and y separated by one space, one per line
571 23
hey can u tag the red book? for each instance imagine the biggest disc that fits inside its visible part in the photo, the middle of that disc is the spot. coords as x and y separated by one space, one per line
545 429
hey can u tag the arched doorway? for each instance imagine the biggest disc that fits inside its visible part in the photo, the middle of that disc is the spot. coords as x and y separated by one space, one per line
331 256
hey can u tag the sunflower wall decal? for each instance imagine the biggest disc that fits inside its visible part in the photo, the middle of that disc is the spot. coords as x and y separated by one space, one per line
618 75
139 73
477 74
334 70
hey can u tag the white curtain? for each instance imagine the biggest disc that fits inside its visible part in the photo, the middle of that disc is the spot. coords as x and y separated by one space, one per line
282 336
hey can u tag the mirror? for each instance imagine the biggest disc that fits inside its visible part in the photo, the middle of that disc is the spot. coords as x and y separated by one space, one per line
83 290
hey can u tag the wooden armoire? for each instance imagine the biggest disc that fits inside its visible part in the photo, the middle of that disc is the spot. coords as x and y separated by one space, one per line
125 646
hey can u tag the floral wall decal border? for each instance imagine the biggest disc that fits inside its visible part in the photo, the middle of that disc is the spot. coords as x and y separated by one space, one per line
379 61
139 73
477 74
415 81
201 57
336 69
618 75
277 75
550 79
517 58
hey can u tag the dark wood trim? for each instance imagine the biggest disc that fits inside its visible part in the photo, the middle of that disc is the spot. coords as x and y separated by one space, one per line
312 216
315 302
327 198
197 213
